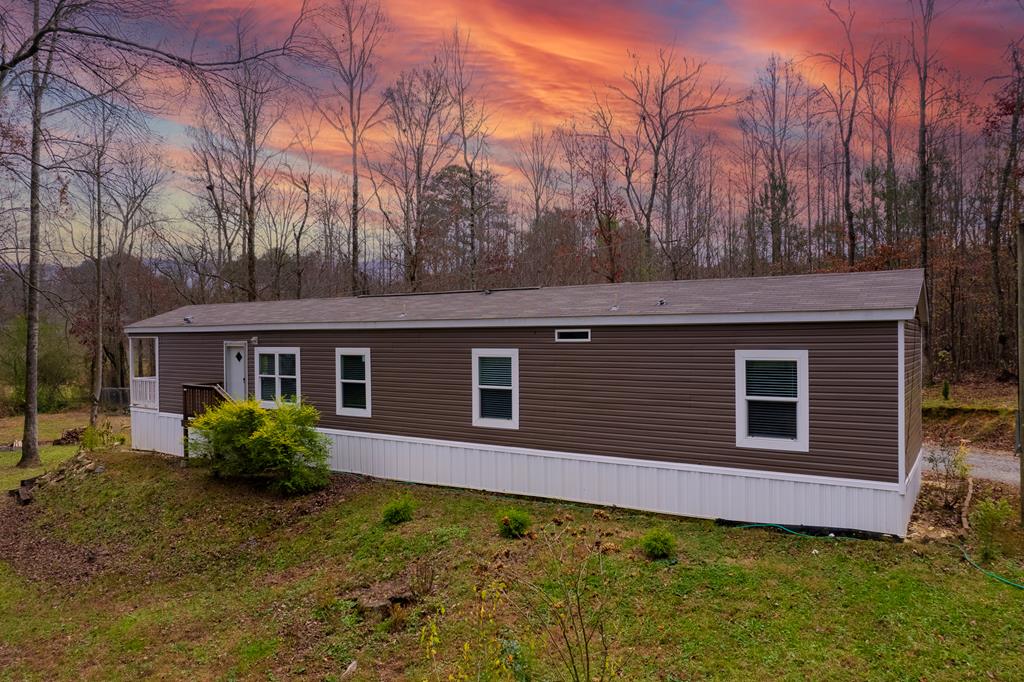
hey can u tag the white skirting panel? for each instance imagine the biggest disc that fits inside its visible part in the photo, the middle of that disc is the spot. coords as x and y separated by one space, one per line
157 431
705 492
685 490
912 489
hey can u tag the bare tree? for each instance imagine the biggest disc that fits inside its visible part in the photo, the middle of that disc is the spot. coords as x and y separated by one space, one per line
852 75
885 101
602 201
118 180
240 114
83 30
103 130
331 215
41 70
350 35
659 99
689 204
133 191
771 115
1014 103
536 160
422 122
922 21
84 38
472 131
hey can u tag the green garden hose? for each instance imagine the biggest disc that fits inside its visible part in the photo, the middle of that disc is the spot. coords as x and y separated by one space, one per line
990 574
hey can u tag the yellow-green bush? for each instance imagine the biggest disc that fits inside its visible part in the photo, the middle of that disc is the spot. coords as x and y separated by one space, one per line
658 543
513 523
398 510
281 445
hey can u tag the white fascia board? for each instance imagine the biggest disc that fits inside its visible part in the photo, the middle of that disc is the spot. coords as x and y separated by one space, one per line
889 314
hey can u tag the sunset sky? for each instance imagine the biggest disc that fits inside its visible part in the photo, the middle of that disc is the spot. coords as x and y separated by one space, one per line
542 61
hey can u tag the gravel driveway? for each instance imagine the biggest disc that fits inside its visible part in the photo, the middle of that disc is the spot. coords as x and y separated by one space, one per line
991 464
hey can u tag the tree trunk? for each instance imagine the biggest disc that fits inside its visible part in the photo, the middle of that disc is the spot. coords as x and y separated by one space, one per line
1002 192
97 358
30 437
250 239
922 170
354 246
473 246
851 233
298 267
890 189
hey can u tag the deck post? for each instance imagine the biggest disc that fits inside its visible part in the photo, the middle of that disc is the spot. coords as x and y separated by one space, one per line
184 423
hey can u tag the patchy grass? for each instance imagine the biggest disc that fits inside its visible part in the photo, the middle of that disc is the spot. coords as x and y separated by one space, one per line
983 412
51 426
52 456
156 570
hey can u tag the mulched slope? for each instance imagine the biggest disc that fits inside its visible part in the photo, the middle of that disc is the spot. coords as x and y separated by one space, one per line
28 540
29 543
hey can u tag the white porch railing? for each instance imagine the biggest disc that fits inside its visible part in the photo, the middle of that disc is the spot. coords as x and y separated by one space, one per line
144 392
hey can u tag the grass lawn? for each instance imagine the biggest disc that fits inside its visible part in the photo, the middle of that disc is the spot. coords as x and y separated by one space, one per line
52 456
51 426
154 570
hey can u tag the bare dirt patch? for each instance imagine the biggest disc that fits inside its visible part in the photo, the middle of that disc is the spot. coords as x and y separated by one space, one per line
932 519
935 521
341 487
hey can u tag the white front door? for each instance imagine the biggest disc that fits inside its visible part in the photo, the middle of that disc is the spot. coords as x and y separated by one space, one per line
234 370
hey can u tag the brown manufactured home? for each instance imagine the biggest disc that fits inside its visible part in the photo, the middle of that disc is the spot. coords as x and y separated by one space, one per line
792 400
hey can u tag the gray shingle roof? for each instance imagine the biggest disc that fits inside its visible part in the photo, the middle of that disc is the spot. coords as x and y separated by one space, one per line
891 290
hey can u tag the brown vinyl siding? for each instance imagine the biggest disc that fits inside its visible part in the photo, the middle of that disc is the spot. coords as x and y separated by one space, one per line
912 387
655 392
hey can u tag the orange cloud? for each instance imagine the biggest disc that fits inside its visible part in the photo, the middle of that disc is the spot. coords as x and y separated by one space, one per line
540 61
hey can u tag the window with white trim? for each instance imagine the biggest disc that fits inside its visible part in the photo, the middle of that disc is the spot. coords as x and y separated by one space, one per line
353 375
277 375
496 388
772 402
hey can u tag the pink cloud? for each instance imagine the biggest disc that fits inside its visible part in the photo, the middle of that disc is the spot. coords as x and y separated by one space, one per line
542 62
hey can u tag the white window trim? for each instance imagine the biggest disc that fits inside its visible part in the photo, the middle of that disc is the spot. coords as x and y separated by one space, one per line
276 350
802 442
132 400
559 331
340 410
488 422
244 345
